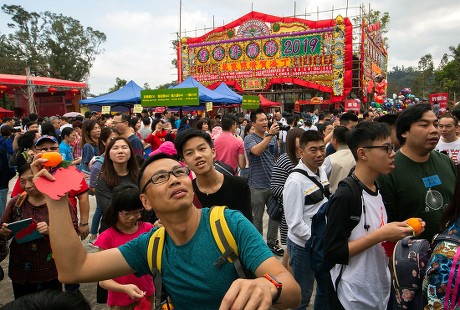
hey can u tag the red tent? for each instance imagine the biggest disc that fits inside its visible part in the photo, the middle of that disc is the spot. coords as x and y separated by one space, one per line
264 102
6 113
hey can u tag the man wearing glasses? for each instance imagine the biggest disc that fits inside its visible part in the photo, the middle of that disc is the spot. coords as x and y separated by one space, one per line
423 182
188 273
361 265
121 122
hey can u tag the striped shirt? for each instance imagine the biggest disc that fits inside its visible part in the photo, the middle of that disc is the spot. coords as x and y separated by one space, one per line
260 167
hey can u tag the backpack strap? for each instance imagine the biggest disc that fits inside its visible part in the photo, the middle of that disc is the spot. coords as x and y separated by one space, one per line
154 254
18 205
325 191
355 214
224 240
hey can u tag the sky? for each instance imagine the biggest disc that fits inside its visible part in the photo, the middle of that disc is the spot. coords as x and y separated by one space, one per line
140 32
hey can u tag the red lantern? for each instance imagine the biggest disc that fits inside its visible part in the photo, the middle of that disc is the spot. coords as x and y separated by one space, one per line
52 90
74 91
3 88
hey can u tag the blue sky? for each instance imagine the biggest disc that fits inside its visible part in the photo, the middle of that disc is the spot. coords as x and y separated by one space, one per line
139 32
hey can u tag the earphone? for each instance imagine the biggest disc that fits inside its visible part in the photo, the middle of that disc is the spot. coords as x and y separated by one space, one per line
362 186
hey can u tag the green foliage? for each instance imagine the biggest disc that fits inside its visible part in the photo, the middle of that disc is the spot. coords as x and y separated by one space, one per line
424 79
167 85
49 44
119 83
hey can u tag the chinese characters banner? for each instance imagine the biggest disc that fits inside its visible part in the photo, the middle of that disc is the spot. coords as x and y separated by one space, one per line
258 50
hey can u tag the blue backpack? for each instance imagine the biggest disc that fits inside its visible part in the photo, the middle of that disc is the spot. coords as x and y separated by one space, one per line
442 282
318 225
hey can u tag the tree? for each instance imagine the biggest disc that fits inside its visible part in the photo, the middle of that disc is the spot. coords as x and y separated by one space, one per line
147 86
119 83
49 44
425 76
448 78
167 85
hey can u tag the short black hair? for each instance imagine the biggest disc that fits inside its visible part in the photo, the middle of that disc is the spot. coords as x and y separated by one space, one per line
188 134
147 162
389 119
340 134
409 116
254 113
348 117
146 121
23 169
228 120
33 117
155 122
364 134
308 136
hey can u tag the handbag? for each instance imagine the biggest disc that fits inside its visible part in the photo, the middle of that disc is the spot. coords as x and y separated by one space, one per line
224 168
274 208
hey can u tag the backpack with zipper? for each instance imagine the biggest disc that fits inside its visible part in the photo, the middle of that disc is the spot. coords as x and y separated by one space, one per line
223 238
442 280
410 259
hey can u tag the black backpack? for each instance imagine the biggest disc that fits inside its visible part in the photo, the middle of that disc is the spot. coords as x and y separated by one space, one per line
318 226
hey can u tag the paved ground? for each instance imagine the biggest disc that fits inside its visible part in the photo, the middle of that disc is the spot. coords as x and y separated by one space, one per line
88 289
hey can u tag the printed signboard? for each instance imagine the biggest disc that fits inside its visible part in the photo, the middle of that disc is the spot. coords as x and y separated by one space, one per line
170 97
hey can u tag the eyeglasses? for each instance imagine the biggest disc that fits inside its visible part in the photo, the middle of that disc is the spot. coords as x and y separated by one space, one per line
388 147
163 176
47 149
118 122
131 213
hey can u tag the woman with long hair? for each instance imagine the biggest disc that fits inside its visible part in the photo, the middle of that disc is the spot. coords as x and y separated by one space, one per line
281 170
158 134
124 222
90 134
107 134
135 124
119 167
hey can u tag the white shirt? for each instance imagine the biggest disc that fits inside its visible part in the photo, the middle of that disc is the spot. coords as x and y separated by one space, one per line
452 149
365 282
297 214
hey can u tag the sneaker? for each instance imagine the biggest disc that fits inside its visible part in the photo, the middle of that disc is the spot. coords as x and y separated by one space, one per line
276 249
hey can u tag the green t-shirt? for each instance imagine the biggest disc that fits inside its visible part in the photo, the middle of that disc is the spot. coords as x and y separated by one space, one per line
412 190
190 277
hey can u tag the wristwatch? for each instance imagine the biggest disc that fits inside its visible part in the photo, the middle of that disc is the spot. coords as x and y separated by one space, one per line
269 135
83 224
277 284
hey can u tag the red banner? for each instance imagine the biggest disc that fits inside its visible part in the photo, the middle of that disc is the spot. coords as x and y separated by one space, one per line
442 99
352 104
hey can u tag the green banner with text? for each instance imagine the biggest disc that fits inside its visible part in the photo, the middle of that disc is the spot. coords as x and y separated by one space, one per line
170 97
250 102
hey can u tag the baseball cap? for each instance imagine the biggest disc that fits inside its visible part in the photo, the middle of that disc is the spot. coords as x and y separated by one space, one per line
46 137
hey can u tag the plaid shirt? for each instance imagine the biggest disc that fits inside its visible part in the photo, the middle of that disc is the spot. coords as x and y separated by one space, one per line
76 148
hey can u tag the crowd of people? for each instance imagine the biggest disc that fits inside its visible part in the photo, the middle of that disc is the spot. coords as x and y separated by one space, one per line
162 170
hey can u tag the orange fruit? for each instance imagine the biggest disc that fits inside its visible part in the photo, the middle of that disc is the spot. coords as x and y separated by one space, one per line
54 159
415 224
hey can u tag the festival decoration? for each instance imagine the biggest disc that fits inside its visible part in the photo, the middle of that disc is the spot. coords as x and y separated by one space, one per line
3 88
52 90
258 50
74 91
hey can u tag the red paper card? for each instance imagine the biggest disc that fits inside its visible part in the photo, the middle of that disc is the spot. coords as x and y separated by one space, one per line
66 179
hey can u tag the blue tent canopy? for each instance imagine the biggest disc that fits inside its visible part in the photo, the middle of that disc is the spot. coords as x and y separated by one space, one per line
205 94
225 90
128 94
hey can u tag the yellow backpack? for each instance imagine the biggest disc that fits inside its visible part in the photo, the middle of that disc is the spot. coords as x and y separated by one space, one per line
222 236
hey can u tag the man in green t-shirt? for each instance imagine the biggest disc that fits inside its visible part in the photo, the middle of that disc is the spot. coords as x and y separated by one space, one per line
423 182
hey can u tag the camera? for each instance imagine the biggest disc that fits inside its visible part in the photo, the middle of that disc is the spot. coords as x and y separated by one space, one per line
283 127
16 129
